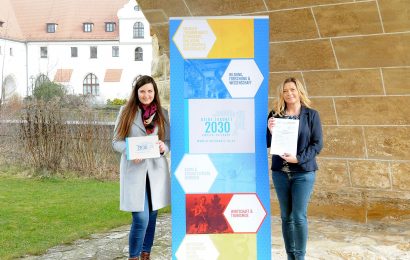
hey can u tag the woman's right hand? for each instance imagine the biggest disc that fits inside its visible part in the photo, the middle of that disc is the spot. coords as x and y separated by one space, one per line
271 123
137 161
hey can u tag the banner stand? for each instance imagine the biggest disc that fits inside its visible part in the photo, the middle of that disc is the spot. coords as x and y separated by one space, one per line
219 102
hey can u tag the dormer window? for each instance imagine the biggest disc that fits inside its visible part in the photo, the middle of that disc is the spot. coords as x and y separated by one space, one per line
136 8
51 27
109 26
88 27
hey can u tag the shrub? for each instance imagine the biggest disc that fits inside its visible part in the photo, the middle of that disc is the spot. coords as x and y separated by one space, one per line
116 102
56 138
43 132
76 101
48 90
11 107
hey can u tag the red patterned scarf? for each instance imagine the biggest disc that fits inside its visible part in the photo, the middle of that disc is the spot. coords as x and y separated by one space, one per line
148 114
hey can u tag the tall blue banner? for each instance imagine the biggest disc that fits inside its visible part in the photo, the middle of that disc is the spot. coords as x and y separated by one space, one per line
219 102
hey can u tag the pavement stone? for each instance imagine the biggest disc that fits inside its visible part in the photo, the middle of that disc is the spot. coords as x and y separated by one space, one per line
328 240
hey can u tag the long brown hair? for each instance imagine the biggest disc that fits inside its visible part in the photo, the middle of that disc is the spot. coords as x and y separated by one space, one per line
132 106
280 105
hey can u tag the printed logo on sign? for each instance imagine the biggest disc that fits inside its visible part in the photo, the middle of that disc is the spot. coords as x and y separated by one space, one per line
238 78
144 146
217 126
242 78
224 127
194 38
245 213
196 173
197 247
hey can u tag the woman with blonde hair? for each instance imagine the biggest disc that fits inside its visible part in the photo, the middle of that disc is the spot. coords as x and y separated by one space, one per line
294 175
144 183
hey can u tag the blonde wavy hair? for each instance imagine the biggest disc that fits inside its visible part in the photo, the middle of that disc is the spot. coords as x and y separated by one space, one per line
279 106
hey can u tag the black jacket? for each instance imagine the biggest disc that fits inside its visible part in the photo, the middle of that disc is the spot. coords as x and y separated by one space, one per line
309 142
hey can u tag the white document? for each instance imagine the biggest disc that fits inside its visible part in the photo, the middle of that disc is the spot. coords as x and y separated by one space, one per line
285 136
142 147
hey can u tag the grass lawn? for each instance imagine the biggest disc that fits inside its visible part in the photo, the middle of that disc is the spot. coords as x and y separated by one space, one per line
36 214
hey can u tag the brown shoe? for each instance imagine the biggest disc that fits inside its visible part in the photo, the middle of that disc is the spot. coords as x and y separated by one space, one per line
145 256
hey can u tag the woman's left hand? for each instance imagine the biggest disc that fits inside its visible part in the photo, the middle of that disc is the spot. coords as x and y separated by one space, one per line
161 146
289 158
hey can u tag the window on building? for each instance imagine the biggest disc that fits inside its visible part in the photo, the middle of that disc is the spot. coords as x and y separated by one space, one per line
138 54
51 27
11 51
136 8
0 51
43 52
74 52
93 52
115 51
9 87
91 85
1 23
88 27
110 27
138 30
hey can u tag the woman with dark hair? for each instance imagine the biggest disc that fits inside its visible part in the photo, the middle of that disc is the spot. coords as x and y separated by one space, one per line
144 183
294 175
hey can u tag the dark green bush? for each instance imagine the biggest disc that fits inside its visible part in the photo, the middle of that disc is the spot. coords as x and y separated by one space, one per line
48 90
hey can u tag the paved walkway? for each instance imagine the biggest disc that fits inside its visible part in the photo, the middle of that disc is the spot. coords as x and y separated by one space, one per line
328 240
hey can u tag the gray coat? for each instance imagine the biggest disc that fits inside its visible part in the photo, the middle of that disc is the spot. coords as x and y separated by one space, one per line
133 176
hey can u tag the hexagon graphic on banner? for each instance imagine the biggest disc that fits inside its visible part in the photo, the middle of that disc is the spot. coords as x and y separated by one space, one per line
242 78
196 173
197 247
245 213
194 39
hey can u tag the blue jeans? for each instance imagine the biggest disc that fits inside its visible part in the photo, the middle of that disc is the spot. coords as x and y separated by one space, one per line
293 191
142 230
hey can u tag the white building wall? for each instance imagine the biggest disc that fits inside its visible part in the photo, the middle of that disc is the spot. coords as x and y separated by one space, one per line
130 68
14 65
59 57
128 17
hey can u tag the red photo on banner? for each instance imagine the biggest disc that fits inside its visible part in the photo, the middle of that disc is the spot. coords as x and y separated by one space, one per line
204 213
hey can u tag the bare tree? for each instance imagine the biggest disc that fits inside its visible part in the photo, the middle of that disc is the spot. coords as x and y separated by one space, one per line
43 132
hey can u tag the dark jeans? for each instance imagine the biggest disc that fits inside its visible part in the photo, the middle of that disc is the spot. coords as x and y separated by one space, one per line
293 191
142 230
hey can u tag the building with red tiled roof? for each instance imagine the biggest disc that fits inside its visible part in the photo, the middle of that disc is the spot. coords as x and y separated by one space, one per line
93 47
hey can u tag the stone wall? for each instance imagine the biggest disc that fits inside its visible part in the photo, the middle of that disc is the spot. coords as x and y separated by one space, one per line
354 57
